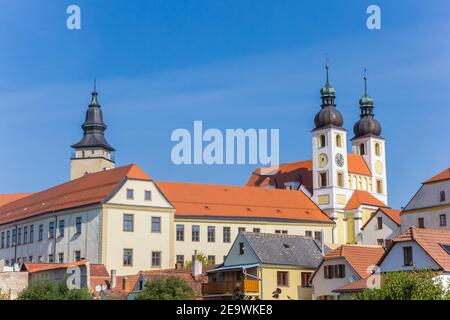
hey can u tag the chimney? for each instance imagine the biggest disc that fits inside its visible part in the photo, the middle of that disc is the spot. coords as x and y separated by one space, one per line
196 266
125 284
113 282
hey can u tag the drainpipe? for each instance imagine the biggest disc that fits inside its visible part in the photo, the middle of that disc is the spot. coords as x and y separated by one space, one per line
15 244
54 239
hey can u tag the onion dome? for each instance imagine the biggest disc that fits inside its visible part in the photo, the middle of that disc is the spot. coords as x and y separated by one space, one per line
328 114
367 124
94 127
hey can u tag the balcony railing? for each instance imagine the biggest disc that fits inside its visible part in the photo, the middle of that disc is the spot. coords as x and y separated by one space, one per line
231 287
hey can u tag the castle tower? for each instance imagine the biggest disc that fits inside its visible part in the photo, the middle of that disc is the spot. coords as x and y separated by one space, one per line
368 143
329 160
92 153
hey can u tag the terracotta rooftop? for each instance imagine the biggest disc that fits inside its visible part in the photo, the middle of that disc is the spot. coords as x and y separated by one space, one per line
11 197
355 286
98 270
444 175
430 240
358 256
361 197
240 202
392 214
37 267
301 172
90 189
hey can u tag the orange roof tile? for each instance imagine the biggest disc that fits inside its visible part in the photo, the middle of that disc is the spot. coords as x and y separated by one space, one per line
392 214
360 197
355 286
89 189
238 202
431 241
11 197
358 256
301 171
444 175
98 270
37 267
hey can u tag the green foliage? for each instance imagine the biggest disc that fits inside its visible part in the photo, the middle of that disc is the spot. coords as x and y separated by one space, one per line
171 288
408 285
51 290
201 257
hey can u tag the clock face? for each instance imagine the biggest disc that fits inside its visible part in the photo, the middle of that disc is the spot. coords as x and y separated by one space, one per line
378 167
339 160
322 160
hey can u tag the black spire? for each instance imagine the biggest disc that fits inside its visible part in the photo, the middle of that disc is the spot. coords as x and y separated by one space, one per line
328 115
367 124
93 127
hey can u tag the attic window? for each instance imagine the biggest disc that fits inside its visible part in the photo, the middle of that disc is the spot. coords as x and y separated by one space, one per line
206 207
249 209
446 247
278 210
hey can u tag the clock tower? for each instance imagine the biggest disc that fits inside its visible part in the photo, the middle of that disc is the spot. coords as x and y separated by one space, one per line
368 143
329 161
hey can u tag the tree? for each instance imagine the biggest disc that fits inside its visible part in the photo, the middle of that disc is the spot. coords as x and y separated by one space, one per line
171 288
51 290
408 285
200 257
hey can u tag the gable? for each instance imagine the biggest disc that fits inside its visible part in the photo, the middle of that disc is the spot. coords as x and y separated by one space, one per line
234 258
393 260
429 196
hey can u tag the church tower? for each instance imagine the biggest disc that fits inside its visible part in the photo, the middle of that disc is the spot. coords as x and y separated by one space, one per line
329 160
368 143
92 153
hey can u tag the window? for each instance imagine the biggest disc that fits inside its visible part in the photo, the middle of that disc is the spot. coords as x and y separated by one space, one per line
61 228
2 245
180 260
241 248
328 272
156 224
19 236
256 230
180 232
442 220
40 259
25 235
377 149
379 186
31 233
446 247
211 234
61 257
322 141
51 258
340 179
30 259
127 257
322 179
195 233
339 271
421 222
379 223
318 235
338 140
308 234
147 195
282 278
51 230
407 256
128 222
380 242
305 279
226 234
41 232
211 260
241 229
7 238
281 231
362 149
156 259
78 221
77 255
130 194
442 196
14 237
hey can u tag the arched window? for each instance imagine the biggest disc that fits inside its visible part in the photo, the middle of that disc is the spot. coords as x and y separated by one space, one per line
362 149
338 140
377 149
322 141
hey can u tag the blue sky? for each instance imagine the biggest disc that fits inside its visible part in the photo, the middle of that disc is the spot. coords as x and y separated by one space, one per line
160 65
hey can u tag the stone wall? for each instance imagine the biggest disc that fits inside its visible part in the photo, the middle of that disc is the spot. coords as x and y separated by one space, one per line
13 282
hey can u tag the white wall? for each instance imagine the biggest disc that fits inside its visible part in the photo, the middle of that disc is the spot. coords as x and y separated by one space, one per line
371 233
394 260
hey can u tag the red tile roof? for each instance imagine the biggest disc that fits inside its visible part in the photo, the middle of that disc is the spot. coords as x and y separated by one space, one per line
301 172
431 241
89 189
213 200
360 197
355 286
98 270
392 214
32 267
11 197
444 175
358 256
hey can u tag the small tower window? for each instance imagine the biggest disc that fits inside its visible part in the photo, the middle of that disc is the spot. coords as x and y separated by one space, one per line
323 179
362 149
379 186
338 140
340 179
322 141
377 149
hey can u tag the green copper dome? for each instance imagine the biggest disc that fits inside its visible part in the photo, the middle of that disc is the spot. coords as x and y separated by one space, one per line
327 90
366 100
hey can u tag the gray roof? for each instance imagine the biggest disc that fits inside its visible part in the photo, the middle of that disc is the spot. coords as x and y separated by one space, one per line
285 249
